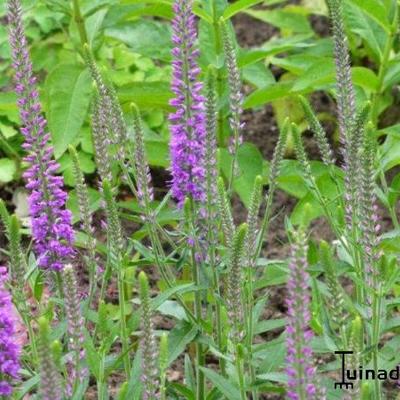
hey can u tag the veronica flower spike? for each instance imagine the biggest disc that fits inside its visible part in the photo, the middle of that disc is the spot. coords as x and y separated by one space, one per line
187 123
9 348
50 222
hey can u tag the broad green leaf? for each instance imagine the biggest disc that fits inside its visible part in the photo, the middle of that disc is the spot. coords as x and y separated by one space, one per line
364 26
161 298
275 273
146 37
291 178
7 131
273 47
320 73
7 170
146 95
134 385
153 8
250 163
269 325
94 24
390 153
265 95
227 388
392 75
68 89
157 153
258 75
93 358
179 338
8 106
376 10
365 78
239 6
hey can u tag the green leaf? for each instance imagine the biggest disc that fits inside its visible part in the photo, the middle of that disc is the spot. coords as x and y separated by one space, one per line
7 131
376 10
291 178
258 75
227 388
251 164
93 358
320 73
7 170
157 153
265 95
364 26
365 78
161 298
390 153
273 47
147 95
179 338
8 106
68 89
239 6
146 37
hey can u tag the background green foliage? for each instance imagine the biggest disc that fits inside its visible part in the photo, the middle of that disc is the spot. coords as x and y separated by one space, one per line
134 50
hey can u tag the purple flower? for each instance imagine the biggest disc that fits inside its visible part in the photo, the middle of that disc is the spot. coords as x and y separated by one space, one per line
50 221
187 123
300 370
9 349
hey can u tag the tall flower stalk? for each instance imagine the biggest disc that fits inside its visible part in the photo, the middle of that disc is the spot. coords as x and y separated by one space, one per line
346 114
50 383
143 178
234 288
300 370
75 324
235 98
9 348
187 144
86 221
50 222
187 123
150 371
114 122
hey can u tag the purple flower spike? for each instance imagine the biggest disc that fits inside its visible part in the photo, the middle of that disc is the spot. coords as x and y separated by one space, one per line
187 123
50 221
9 349
300 370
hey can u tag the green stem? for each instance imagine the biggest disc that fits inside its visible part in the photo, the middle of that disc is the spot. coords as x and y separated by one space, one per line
158 249
104 281
124 333
240 374
80 23
100 381
200 356
376 317
250 333
216 287
218 50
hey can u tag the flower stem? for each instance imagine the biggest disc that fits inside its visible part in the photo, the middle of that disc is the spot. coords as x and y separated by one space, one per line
80 23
